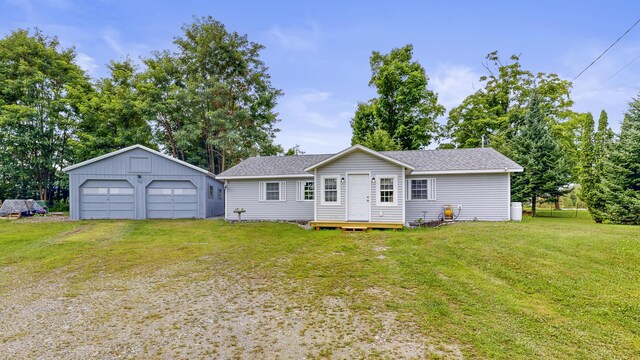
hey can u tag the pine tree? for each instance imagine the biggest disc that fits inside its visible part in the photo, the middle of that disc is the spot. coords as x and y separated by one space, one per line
601 147
586 162
622 171
545 169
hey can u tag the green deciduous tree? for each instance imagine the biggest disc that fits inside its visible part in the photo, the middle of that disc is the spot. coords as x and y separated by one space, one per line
533 147
41 88
622 171
405 109
112 116
227 94
498 109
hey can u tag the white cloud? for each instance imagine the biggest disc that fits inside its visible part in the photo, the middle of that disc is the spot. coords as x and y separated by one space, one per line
453 83
296 39
111 36
87 63
315 120
316 108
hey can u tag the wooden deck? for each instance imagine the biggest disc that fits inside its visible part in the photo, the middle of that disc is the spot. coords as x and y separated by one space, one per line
354 225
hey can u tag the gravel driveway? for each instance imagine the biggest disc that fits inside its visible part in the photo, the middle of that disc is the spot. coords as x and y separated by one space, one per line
175 314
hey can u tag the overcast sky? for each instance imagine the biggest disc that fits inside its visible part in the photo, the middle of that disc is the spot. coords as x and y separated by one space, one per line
318 52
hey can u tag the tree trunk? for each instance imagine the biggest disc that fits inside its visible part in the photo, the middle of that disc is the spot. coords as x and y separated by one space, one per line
533 205
557 202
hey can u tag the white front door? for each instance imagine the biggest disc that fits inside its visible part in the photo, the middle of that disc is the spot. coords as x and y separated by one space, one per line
359 190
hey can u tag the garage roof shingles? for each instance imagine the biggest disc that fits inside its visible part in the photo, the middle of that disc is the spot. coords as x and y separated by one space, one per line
421 160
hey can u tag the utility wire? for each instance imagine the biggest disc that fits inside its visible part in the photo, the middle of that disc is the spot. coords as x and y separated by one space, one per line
604 52
610 77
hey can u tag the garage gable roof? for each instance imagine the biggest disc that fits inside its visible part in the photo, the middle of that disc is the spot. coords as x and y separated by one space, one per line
137 146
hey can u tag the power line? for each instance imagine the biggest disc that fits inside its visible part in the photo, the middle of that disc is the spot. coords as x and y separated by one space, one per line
604 52
610 77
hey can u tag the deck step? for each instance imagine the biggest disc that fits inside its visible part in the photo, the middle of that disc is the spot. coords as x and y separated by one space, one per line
354 228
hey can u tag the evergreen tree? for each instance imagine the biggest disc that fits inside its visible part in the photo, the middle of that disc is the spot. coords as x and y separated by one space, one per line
602 145
586 162
545 168
622 171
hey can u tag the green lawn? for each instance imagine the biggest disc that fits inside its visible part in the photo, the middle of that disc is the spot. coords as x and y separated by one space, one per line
546 287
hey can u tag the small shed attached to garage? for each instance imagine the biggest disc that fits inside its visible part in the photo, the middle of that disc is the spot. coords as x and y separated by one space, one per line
141 183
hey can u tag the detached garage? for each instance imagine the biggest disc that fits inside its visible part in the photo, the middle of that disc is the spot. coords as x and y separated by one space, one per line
141 183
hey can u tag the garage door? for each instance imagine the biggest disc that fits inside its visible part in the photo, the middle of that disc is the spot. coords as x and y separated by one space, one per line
107 199
172 200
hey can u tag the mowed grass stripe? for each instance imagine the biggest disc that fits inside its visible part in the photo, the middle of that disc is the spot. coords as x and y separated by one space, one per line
546 287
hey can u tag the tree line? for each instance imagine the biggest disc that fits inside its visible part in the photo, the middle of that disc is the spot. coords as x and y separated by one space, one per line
524 115
210 102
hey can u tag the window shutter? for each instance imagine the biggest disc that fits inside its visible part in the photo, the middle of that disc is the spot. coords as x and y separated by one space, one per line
432 189
300 191
261 191
408 190
283 191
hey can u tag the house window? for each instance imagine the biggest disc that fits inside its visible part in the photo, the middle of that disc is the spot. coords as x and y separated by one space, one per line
219 193
387 190
330 190
421 189
305 190
210 191
272 191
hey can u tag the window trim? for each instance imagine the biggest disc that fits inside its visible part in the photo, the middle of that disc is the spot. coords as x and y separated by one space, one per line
431 189
220 194
282 191
338 190
395 190
211 191
300 194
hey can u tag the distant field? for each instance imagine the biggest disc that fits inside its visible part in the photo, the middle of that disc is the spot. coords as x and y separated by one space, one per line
543 288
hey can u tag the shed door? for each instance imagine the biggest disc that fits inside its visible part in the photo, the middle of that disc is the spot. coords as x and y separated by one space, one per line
107 199
172 200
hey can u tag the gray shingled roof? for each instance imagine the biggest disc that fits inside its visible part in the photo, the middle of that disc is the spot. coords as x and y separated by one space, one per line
454 159
421 160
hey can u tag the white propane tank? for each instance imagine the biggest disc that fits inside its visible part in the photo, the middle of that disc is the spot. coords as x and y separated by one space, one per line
516 211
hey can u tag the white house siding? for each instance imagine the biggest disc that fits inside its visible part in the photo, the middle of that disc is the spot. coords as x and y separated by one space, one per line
362 162
245 194
481 196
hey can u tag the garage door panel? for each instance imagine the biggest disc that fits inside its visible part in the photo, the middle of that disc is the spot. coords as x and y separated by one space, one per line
172 199
180 214
185 206
107 199
103 206
120 206
121 199
94 198
118 214
185 199
159 214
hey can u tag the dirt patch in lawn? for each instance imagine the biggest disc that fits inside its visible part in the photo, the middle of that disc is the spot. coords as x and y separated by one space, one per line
173 313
